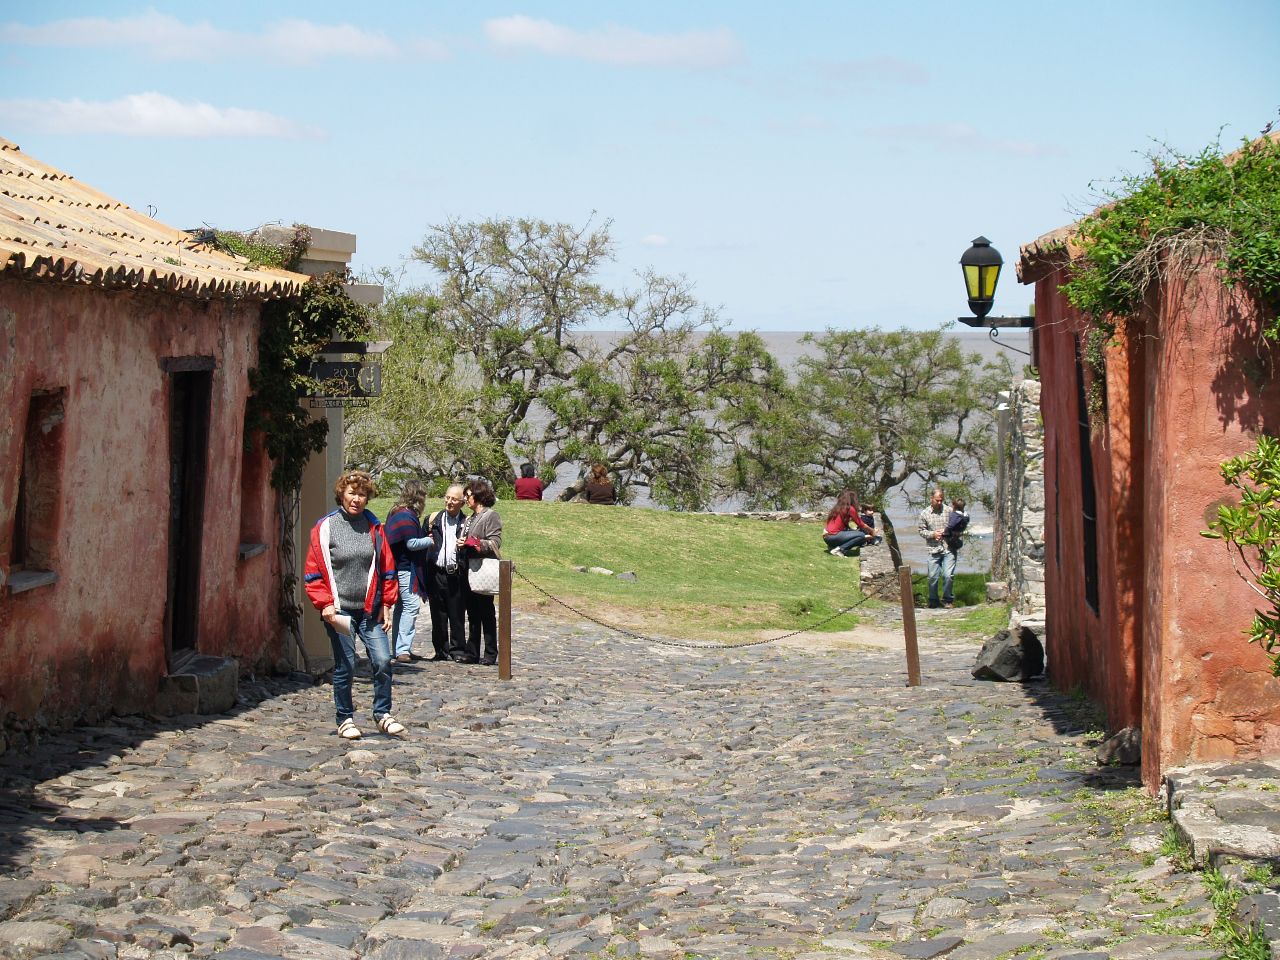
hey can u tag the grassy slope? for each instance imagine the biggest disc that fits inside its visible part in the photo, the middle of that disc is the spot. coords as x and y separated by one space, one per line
697 575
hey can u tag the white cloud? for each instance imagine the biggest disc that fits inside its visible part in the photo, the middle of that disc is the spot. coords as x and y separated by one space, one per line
654 240
145 115
964 137
163 37
874 72
619 46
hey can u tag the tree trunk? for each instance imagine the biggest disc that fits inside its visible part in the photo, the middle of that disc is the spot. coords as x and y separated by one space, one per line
573 491
891 539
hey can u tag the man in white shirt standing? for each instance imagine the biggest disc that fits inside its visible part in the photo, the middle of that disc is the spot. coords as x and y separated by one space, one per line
446 598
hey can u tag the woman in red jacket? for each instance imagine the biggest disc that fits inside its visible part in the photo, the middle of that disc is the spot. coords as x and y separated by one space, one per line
845 528
350 577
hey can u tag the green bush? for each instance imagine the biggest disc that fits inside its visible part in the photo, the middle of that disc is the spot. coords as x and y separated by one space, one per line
1252 534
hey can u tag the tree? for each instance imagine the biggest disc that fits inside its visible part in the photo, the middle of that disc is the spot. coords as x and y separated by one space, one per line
656 405
897 406
415 423
510 290
513 294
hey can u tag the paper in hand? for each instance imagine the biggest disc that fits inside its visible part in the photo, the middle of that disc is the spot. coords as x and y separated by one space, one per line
342 623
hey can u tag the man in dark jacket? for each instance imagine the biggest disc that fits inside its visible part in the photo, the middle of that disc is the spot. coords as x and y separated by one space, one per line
448 580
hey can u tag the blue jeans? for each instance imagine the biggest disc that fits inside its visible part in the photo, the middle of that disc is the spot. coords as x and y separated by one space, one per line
942 566
378 647
406 615
845 540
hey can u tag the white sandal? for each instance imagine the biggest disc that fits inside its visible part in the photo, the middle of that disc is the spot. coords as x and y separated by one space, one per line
390 725
348 730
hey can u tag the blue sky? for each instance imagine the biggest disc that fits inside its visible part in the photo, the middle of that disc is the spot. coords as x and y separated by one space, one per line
821 166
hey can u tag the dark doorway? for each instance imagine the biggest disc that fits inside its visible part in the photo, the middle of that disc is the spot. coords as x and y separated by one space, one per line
189 396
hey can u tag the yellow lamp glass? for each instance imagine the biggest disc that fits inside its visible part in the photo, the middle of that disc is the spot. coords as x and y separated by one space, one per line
981 280
990 274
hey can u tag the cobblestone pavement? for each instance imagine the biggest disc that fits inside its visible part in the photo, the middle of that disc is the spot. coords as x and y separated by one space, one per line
617 798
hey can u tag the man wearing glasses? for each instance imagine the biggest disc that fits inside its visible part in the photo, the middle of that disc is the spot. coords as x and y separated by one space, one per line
446 598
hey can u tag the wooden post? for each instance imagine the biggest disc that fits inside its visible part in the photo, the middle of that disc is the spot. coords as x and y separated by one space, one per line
505 569
909 626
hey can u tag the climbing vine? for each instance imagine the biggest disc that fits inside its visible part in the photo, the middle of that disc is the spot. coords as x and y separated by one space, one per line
293 331
1163 222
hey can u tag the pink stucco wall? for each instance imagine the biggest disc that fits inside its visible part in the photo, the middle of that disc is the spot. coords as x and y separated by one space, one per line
1186 390
94 641
1092 650
1210 393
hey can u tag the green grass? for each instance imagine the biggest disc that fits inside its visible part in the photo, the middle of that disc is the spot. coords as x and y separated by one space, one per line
698 576
970 589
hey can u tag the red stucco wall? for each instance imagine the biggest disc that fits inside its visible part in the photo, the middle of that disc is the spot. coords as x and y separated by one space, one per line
94 641
1092 650
1210 392
1186 390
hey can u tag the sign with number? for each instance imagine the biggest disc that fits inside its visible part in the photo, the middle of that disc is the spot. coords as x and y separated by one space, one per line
348 379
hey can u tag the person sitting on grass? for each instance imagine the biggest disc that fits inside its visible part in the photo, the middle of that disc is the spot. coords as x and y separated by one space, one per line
846 530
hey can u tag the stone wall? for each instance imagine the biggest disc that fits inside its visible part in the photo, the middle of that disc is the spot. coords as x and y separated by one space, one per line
1018 550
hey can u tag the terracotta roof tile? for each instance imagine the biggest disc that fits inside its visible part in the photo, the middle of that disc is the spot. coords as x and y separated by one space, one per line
53 227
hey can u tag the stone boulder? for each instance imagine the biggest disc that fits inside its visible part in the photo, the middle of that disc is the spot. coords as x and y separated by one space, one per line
1124 748
1009 657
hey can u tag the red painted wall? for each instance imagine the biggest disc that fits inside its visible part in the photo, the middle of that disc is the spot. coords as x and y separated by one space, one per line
1185 390
94 642
1095 650
1209 394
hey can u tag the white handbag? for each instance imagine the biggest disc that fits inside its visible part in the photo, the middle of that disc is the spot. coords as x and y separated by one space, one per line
482 575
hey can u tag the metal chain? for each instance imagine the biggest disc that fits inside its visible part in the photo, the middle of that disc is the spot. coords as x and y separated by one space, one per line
676 643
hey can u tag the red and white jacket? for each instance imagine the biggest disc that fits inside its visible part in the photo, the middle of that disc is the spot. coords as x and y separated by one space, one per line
317 573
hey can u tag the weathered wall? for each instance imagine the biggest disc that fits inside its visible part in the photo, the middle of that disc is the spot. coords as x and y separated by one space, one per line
1209 394
93 642
1093 649
1185 390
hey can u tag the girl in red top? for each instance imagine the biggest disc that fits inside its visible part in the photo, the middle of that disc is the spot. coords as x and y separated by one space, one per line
528 486
845 528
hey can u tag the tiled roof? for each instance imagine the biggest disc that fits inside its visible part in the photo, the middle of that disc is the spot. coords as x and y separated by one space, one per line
53 227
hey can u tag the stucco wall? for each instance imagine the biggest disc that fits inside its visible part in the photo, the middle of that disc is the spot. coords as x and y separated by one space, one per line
1093 650
94 641
1185 390
1209 394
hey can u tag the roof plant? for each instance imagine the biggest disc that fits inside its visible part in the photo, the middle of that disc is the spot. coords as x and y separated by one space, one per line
1163 222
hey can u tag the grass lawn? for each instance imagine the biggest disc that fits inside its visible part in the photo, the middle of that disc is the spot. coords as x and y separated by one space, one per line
698 576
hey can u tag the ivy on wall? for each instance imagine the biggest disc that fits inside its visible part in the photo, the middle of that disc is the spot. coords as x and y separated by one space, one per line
1162 223
292 334
293 330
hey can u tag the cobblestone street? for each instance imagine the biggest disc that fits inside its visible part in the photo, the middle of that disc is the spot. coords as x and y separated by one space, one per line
617 798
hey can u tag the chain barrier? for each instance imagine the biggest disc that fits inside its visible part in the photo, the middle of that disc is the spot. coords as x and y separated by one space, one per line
677 643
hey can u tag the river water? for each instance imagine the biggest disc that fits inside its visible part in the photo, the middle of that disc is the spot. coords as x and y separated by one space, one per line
906 505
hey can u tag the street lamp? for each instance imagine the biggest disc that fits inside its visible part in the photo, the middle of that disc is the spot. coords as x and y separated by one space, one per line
981 264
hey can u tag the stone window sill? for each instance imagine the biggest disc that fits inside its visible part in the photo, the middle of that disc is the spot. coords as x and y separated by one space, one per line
25 580
250 550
